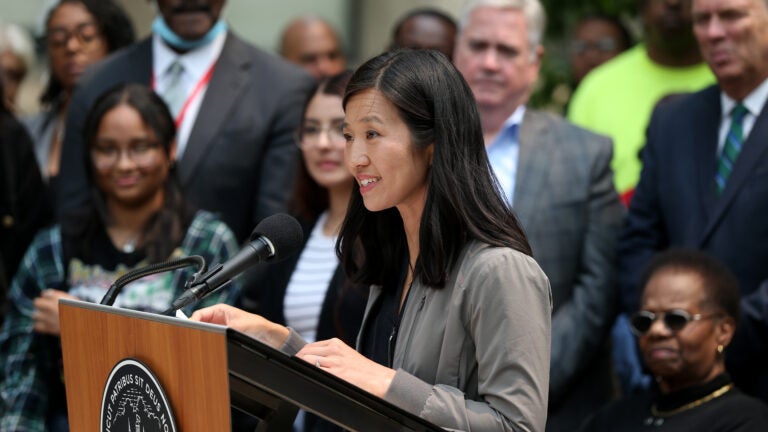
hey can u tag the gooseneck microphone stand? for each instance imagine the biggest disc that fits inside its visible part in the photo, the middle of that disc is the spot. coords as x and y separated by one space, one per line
174 264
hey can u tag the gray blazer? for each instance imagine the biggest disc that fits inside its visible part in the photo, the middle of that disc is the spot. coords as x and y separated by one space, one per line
571 214
474 355
240 157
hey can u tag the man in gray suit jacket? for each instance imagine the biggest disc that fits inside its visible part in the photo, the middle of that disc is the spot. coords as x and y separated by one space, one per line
558 179
236 114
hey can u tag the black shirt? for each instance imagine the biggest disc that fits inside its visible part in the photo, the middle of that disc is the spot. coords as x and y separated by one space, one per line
381 335
730 410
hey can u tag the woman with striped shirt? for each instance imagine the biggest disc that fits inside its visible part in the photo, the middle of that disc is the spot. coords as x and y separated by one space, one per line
309 292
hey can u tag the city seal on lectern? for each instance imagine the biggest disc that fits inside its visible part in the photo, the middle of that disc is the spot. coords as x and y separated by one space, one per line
134 401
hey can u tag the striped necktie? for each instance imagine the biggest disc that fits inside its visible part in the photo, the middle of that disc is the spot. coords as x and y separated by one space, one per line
732 146
174 94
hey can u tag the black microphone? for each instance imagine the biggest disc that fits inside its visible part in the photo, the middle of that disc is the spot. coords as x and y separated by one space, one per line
274 238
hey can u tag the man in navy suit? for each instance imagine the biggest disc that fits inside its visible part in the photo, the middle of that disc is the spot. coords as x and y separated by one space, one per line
704 182
236 108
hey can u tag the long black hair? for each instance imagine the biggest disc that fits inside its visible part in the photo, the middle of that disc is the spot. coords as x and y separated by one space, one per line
114 25
166 229
463 201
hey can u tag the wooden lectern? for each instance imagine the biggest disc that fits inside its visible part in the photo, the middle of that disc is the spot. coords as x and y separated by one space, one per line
205 370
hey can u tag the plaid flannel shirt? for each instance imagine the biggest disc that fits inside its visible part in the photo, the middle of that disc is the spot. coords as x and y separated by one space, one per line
28 360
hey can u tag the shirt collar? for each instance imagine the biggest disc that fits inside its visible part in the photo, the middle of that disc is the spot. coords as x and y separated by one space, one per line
515 119
195 62
507 135
754 101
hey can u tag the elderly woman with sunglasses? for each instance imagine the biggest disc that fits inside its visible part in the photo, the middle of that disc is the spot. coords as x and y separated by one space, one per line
690 307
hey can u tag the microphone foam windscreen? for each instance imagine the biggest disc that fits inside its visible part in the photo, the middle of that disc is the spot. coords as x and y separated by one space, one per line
283 231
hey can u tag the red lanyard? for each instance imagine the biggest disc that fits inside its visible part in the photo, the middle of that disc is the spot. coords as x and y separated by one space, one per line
198 88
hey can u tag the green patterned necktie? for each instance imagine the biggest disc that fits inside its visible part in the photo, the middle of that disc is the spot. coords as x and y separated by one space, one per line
731 148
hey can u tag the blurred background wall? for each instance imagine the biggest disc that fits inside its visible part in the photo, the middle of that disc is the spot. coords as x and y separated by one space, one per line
365 25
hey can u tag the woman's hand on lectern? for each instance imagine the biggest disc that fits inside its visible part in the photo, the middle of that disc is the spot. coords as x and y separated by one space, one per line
253 325
340 359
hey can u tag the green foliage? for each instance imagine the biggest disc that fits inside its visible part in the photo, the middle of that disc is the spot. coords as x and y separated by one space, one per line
562 14
555 83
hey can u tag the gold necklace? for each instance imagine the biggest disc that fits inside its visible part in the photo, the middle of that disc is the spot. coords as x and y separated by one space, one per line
714 395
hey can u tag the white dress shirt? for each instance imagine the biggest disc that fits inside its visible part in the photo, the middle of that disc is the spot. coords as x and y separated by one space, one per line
196 64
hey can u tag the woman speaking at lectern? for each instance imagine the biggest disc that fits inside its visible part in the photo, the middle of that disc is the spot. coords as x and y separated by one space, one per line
457 325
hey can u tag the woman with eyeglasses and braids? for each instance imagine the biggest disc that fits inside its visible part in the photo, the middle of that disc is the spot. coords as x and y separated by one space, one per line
689 311
136 216
78 33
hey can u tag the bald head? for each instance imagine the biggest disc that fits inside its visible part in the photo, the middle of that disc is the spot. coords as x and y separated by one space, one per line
313 44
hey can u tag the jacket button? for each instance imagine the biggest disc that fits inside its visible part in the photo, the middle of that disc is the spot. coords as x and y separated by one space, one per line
8 221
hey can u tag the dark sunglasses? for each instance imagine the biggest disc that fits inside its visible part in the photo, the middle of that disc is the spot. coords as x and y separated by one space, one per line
675 320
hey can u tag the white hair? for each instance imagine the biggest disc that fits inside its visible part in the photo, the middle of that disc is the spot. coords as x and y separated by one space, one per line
535 17
17 40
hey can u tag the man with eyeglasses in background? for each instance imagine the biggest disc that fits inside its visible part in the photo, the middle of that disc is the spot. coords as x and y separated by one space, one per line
596 39
616 98
235 107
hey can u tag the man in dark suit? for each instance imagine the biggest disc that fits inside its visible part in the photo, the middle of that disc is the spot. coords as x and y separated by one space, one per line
704 182
558 179
24 208
236 109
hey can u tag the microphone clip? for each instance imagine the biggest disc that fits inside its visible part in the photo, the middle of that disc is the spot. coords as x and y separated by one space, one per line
197 288
174 264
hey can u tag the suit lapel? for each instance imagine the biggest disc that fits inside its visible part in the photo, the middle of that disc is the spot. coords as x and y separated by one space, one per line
704 137
750 156
141 66
229 77
532 162
374 296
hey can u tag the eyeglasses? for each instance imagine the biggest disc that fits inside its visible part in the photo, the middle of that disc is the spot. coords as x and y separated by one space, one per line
309 134
143 155
675 320
603 45
85 34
